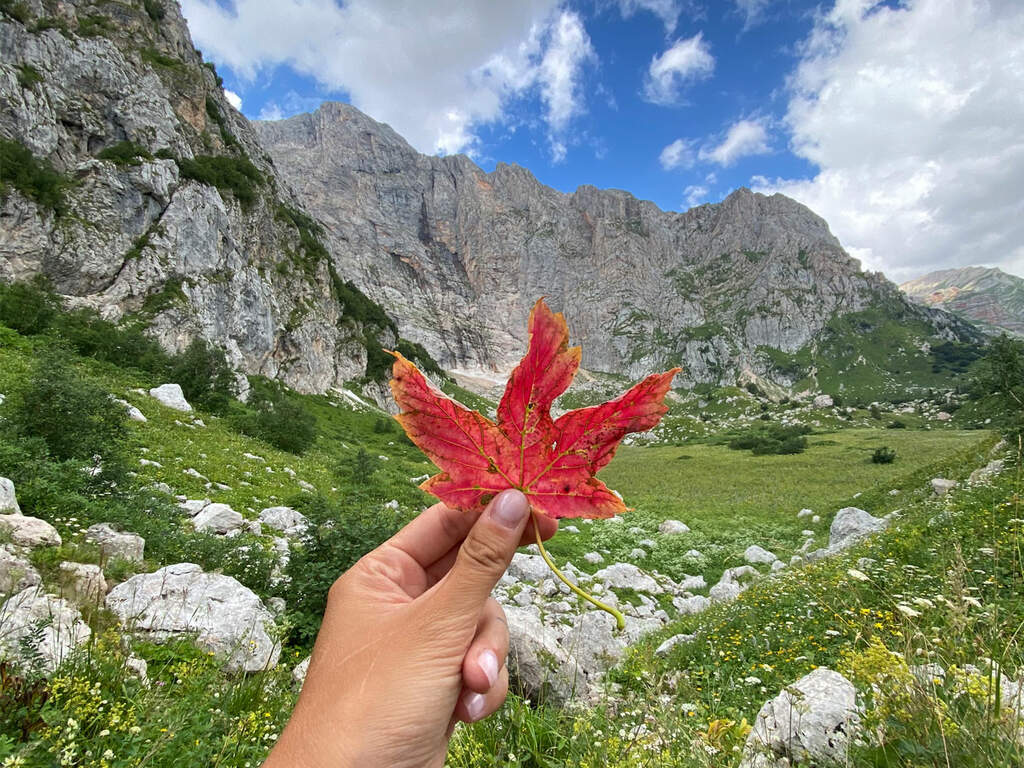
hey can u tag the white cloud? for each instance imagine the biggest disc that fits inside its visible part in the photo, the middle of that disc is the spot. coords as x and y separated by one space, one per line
233 99
744 138
913 117
678 154
666 10
695 195
752 11
687 60
434 71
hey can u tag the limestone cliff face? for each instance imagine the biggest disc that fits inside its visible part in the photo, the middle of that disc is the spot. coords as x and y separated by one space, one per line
458 256
139 233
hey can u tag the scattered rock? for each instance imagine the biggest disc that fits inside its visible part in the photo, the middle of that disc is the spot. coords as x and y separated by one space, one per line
637 554
29 532
179 600
300 670
823 401
732 583
138 667
666 647
39 631
218 518
804 513
812 721
116 544
941 486
193 507
254 457
171 396
673 527
980 475
540 667
593 558
276 605
694 554
570 529
192 472
8 499
82 583
16 573
852 525
529 568
759 555
285 519
778 565
628 576
149 463
691 583
816 519
133 413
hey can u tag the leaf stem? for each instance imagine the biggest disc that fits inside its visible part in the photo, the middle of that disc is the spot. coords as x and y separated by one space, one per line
620 620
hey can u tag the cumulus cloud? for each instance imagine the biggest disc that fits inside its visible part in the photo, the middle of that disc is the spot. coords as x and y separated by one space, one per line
666 10
233 99
912 116
678 154
433 71
744 138
685 61
695 194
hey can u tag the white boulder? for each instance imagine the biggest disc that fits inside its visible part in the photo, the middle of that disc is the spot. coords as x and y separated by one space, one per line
116 544
851 525
171 396
285 519
673 527
530 568
823 401
628 576
16 572
759 555
38 631
941 486
218 518
29 532
8 499
181 600
811 722
82 583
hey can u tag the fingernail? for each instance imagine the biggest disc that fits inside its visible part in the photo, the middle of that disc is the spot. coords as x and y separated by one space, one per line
488 662
510 508
474 703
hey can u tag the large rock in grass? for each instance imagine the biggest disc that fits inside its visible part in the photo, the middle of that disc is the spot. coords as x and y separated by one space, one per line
732 583
529 568
812 722
8 499
29 532
539 667
38 631
181 601
115 544
285 519
628 576
82 583
170 395
16 573
218 518
759 555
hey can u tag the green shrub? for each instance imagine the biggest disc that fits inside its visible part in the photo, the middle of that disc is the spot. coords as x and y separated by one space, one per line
71 414
383 426
28 76
233 174
213 68
125 346
415 352
155 9
278 419
883 455
772 439
34 178
896 424
125 153
18 11
154 58
28 307
95 25
213 112
337 537
999 384
205 377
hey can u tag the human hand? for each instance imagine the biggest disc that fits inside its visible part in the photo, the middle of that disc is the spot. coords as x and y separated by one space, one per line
411 642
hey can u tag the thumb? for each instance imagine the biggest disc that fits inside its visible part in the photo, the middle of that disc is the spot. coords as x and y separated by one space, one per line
486 552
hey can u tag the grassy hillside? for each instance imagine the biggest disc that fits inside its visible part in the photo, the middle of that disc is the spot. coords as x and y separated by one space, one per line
686 710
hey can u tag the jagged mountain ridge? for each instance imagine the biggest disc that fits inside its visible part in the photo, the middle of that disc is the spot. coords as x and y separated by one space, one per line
171 210
984 295
458 256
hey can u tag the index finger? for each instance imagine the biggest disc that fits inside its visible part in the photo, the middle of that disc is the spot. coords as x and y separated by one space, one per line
440 529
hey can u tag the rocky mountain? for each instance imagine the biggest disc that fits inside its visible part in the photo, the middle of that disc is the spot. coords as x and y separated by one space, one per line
128 180
989 297
458 256
305 246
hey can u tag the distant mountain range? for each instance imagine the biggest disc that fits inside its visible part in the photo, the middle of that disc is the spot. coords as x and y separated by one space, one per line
986 296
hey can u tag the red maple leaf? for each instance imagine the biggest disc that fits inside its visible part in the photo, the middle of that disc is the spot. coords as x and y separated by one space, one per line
552 461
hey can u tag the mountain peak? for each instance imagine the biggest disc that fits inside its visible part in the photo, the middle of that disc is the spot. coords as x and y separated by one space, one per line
986 295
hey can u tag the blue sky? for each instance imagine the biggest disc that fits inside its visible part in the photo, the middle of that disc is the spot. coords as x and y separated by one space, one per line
893 120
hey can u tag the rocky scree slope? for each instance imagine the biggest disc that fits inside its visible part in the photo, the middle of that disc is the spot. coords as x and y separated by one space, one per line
458 257
146 194
989 297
